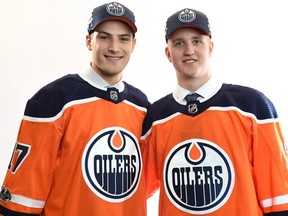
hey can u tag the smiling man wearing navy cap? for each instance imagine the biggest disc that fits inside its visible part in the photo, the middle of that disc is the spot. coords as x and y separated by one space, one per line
115 17
78 149
212 148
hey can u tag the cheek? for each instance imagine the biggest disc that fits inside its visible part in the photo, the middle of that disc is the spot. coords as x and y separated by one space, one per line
129 50
175 57
95 47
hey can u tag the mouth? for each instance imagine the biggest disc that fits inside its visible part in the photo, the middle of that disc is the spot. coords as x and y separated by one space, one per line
189 61
112 57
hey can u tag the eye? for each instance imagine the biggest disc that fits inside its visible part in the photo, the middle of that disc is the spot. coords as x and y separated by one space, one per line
178 43
197 41
125 38
104 37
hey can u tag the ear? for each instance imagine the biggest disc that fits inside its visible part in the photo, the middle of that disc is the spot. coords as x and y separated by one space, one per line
88 42
133 44
211 48
168 54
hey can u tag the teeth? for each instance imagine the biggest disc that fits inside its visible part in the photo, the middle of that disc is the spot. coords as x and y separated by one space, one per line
110 57
189 61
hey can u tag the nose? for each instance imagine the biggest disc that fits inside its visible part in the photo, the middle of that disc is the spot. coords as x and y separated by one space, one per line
113 46
189 50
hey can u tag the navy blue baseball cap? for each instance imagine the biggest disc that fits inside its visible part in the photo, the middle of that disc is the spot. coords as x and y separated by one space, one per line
112 11
187 18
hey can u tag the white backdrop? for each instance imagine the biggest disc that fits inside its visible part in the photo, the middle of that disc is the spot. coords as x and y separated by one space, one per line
43 40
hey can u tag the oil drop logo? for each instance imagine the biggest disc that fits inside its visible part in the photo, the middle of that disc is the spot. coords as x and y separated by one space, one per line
111 164
198 176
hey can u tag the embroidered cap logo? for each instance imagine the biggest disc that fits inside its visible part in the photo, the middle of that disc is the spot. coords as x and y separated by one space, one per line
115 9
186 16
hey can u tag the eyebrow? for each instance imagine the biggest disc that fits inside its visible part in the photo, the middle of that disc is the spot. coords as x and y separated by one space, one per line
121 35
181 38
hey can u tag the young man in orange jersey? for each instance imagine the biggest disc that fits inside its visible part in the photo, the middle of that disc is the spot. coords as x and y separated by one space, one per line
77 151
213 149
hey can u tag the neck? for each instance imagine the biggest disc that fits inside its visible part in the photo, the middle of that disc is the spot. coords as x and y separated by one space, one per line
193 83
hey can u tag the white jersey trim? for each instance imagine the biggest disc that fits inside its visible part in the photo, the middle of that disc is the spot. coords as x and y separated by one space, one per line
264 121
275 201
136 106
24 201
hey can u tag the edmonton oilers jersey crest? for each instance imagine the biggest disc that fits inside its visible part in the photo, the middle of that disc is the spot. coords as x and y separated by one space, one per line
112 164
198 176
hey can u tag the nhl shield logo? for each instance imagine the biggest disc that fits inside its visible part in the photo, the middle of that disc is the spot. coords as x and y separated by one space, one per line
192 108
198 176
112 164
114 95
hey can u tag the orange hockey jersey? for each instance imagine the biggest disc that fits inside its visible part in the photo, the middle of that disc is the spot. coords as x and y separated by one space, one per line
78 153
228 158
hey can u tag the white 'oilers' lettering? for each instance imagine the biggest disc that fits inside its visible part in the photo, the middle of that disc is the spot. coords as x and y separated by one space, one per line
192 182
115 173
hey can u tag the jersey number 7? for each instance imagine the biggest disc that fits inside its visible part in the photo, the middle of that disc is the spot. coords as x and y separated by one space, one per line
20 153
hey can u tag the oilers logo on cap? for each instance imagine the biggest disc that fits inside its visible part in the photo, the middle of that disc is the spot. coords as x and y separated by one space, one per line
186 16
115 9
112 165
198 176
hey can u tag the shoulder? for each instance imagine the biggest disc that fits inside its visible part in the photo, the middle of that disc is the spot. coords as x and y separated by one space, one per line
244 92
51 98
247 99
136 96
161 109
